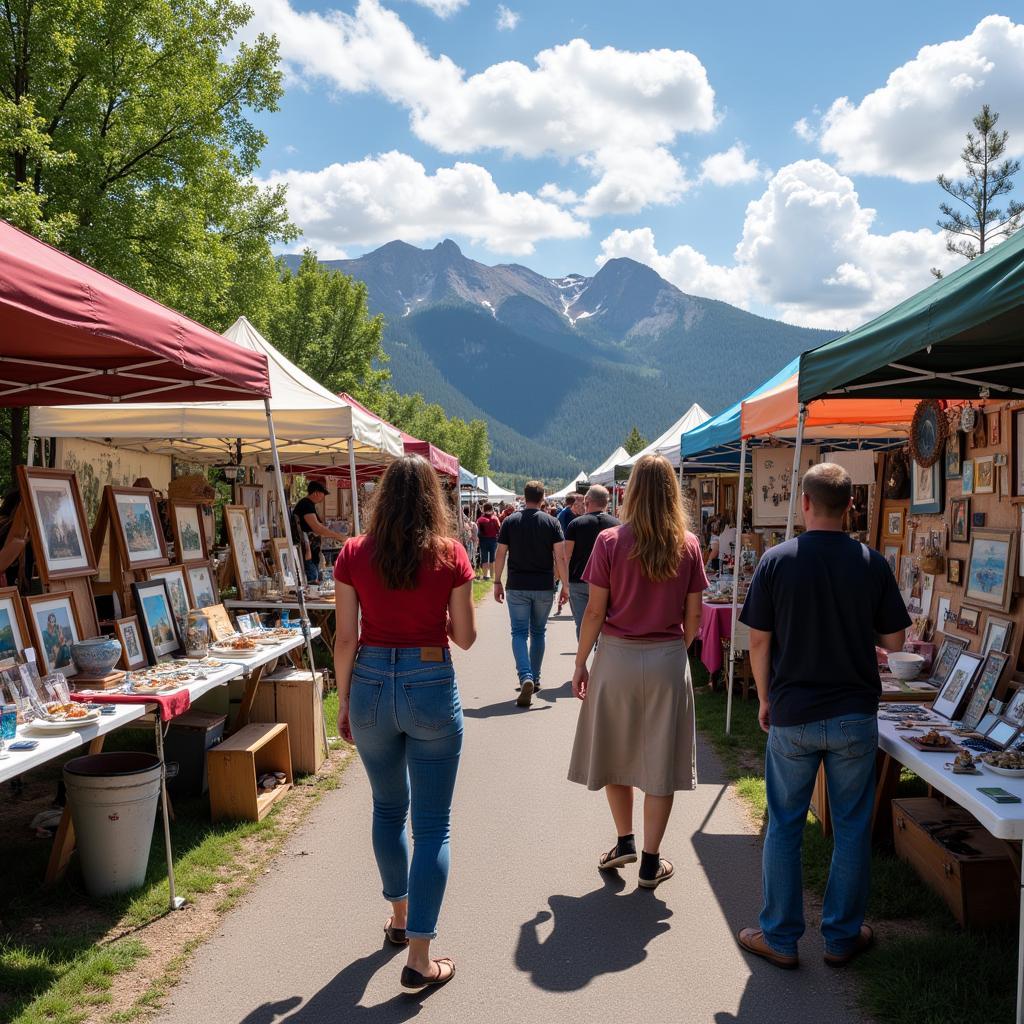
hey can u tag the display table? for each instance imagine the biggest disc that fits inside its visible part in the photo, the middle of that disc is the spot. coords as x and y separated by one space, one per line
320 611
715 625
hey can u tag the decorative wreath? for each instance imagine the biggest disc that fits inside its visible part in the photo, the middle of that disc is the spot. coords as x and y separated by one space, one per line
928 431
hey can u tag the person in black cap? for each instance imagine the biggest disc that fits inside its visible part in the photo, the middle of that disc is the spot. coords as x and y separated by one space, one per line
312 528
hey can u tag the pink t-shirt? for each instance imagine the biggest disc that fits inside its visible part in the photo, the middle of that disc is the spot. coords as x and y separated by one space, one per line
637 608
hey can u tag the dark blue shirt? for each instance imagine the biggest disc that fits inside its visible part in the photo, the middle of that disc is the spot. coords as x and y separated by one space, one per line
565 517
824 597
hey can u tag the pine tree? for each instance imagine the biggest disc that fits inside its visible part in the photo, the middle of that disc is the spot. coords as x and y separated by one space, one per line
635 441
989 176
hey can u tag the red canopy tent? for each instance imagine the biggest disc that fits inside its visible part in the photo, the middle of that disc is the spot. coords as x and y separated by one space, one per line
69 334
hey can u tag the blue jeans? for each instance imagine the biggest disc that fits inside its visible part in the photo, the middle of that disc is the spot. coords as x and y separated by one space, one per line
312 571
847 745
529 610
488 550
579 596
406 720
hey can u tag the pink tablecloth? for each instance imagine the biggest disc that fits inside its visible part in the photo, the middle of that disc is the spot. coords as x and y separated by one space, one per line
715 623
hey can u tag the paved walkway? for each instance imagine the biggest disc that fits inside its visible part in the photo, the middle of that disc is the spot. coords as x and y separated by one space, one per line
538 934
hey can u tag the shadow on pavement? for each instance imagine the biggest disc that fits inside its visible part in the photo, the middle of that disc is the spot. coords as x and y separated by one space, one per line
339 1000
599 933
502 708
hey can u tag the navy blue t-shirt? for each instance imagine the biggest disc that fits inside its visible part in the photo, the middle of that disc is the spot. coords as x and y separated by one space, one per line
824 597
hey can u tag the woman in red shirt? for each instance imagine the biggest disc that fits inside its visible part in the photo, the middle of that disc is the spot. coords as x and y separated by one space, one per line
489 526
398 699
636 727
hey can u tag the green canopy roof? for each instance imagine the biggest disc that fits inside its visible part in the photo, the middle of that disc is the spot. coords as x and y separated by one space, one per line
963 334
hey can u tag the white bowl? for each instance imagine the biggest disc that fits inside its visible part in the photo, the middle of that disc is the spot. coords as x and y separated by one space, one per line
904 665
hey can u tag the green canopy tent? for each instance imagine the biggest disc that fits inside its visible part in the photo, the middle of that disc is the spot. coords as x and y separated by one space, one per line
963 337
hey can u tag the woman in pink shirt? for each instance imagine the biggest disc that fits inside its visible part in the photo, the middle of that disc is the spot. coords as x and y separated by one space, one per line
636 726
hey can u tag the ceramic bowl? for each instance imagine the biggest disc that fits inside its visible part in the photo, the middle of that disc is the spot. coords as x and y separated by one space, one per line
96 657
904 665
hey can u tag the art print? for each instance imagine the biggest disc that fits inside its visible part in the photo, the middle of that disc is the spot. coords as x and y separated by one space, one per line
988 679
954 571
984 475
957 688
1014 711
189 531
960 520
139 525
14 636
773 483
285 563
1017 452
200 584
949 651
56 519
53 619
176 587
133 654
925 489
997 635
990 568
892 556
967 478
241 543
156 617
707 492
968 620
954 455
894 523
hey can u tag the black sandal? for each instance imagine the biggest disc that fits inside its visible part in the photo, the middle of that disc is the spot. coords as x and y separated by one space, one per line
396 936
613 859
413 981
665 871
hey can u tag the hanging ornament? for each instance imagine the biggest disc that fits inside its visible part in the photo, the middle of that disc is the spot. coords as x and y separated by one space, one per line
928 431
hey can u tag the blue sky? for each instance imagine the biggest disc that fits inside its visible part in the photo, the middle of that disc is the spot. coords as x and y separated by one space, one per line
422 118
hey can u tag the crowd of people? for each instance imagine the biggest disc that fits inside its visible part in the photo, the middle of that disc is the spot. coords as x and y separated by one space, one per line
404 595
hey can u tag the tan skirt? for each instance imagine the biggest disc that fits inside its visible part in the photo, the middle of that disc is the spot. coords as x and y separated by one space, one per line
636 725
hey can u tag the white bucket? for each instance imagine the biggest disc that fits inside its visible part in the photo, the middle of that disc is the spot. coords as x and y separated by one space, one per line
113 800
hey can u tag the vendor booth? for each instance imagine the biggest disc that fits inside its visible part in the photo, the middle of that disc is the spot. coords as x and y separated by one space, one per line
493 492
668 443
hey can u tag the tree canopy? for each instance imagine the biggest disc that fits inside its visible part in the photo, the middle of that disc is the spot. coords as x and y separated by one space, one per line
635 441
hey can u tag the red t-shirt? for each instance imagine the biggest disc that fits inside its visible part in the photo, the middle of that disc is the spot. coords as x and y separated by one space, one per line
402 618
637 608
489 526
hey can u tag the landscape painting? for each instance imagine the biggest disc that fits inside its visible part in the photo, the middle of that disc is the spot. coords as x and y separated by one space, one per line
990 567
59 531
139 525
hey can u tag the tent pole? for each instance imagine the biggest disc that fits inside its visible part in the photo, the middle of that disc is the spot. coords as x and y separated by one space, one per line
795 482
357 527
299 570
31 450
735 584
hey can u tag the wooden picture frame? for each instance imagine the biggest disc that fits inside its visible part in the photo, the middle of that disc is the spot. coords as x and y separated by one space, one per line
988 681
238 526
1017 455
954 455
53 649
177 587
894 522
283 560
891 553
967 477
57 525
968 619
707 491
1014 709
926 493
221 626
202 584
945 659
135 523
958 687
955 571
960 520
189 529
14 634
133 650
993 422
997 635
984 474
991 568
159 627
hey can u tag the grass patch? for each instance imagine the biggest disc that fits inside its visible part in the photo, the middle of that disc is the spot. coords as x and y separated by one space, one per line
926 968
482 589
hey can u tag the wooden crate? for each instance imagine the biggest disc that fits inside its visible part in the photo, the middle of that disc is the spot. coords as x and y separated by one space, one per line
976 877
235 765
292 697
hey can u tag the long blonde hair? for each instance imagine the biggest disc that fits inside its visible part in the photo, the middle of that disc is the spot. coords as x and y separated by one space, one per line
654 510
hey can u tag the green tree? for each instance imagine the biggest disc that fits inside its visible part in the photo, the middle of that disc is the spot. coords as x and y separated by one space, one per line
989 175
125 140
635 441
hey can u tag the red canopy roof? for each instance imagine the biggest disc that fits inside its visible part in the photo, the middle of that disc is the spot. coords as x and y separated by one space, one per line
70 334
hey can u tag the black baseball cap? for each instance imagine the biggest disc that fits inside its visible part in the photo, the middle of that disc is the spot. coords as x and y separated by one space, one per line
315 487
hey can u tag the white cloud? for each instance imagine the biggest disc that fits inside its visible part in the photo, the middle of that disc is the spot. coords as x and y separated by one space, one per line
631 178
804 130
507 20
442 8
807 252
604 107
731 167
913 127
557 194
291 150
393 196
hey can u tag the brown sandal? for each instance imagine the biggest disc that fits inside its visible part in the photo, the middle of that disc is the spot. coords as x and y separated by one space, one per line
665 871
396 936
612 859
413 981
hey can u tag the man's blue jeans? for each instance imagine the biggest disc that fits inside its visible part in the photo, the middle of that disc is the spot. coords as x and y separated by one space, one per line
847 745
579 597
406 719
312 571
529 611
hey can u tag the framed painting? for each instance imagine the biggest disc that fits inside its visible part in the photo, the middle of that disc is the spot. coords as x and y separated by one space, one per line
243 553
707 492
892 556
960 520
984 474
926 489
968 619
997 635
176 587
1017 453
1014 710
156 618
988 679
283 561
967 477
991 568
189 531
995 428
133 651
955 571
57 524
137 523
201 585
956 691
894 523
53 620
14 634
773 482
954 455
949 651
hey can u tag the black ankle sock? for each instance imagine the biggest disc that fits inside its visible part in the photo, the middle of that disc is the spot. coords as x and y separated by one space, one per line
626 844
649 864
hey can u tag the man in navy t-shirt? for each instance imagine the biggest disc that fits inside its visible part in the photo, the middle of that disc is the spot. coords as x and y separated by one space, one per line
817 606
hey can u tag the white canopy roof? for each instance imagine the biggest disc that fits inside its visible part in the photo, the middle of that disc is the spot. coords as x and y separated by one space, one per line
668 443
605 473
312 425
569 488
492 490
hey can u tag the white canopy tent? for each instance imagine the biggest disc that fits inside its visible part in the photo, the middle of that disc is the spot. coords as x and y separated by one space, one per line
605 473
668 443
492 491
569 488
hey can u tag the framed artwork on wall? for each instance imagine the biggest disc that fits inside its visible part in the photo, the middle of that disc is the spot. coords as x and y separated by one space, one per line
926 489
57 524
954 455
994 423
892 556
1017 453
991 567
967 477
894 523
997 635
955 571
968 619
984 474
176 587
960 520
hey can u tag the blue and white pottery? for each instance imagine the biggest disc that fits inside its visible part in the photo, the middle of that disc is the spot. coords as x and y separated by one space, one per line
97 656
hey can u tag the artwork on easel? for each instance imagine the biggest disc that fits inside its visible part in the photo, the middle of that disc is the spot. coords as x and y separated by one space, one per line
243 553
135 524
189 531
53 619
56 520
254 498
773 483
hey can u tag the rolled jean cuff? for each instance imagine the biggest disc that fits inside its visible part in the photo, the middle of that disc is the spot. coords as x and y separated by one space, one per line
777 949
396 899
430 936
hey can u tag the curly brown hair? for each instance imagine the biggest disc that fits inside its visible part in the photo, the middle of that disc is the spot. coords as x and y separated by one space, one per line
409 521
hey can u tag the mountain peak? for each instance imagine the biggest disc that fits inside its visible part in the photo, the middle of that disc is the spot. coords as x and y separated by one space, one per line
448 249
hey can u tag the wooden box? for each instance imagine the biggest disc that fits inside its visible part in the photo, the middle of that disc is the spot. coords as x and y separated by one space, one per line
235 765
958 858
292 697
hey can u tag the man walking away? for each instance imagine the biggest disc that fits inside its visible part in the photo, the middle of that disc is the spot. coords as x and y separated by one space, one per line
533 543
572 508
487 531
579 543
815 608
